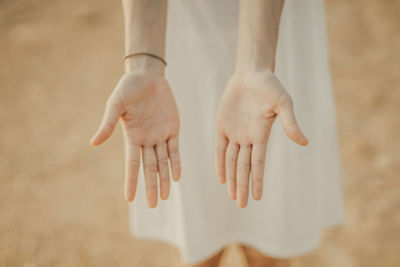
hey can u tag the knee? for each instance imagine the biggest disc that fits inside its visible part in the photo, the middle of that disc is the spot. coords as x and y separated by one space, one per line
257 259
212 261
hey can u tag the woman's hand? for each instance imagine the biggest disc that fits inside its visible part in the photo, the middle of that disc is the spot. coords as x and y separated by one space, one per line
149 115
245 116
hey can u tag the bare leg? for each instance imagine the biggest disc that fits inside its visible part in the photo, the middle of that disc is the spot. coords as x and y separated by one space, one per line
257 259
213 261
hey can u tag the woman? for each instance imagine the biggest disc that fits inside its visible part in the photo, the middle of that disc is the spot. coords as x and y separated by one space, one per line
212 45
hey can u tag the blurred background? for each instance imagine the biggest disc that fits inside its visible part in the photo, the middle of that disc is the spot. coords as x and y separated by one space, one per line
61 201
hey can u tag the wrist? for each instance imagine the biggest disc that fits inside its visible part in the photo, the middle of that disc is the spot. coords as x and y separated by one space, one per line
246 70
253 67
144 63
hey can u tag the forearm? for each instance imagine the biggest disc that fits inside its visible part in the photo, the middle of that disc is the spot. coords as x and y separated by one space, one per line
145 26
258 34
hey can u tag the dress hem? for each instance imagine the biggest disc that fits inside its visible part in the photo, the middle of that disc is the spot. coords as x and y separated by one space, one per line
219 242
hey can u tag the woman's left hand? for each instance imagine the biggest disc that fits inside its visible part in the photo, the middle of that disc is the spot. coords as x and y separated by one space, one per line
248 108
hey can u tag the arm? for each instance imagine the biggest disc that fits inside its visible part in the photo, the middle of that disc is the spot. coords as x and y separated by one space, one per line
258 34
251 101
143 101
145 24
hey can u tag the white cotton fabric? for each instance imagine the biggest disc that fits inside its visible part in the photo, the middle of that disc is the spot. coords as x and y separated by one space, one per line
302 188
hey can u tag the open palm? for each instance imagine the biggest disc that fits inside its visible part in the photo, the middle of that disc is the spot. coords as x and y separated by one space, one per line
248 108
149 115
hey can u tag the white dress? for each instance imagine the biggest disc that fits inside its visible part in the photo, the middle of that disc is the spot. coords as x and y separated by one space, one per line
302 188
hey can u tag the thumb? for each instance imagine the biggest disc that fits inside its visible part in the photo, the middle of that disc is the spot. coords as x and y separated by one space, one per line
286 114
108 123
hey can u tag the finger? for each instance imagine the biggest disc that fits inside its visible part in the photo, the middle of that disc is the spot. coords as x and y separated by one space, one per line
230 163
163 169
107 125
220 150
243 173
150 174
132 164
173 154
257 169
286 115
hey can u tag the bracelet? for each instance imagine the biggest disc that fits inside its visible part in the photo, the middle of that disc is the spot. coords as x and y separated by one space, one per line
146 54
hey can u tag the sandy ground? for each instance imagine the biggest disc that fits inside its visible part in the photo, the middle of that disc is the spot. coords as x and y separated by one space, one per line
61 200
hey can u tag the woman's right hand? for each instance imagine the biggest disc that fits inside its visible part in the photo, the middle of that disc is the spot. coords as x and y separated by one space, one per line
144 102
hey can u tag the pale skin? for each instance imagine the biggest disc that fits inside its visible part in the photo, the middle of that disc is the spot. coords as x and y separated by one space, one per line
252 100
144 104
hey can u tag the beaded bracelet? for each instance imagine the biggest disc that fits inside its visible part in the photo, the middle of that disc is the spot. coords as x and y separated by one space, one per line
146 54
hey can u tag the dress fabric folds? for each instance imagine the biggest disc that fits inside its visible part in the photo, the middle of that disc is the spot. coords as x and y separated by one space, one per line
302 185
